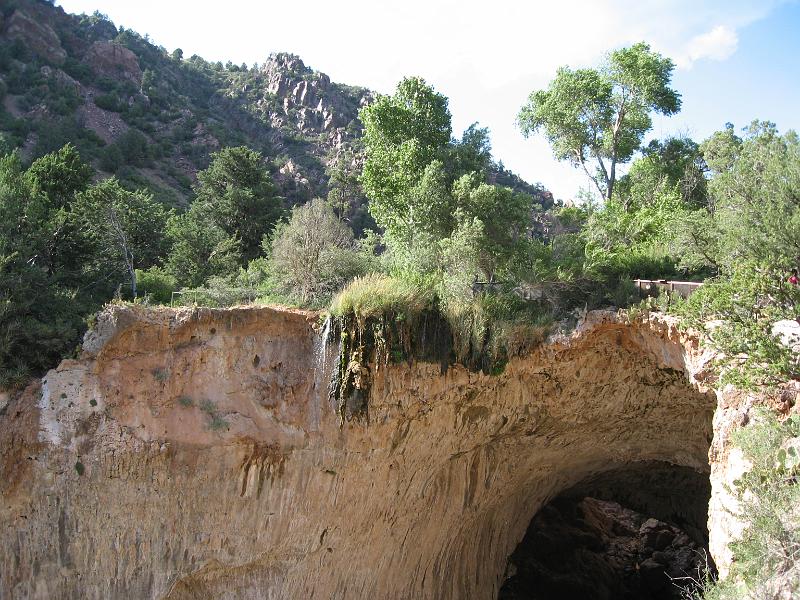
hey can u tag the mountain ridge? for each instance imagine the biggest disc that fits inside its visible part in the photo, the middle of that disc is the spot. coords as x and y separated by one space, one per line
153 118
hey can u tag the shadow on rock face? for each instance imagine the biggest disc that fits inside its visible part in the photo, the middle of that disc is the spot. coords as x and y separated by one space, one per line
590 549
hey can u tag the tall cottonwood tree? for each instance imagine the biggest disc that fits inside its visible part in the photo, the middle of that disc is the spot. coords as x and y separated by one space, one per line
403 134
597 118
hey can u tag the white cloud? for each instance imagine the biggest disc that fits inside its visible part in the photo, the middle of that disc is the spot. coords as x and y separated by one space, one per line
718 43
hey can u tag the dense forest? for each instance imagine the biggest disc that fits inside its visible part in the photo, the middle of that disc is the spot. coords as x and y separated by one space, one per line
217 184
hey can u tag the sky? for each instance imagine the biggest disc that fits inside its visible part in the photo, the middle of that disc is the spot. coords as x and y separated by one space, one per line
736 60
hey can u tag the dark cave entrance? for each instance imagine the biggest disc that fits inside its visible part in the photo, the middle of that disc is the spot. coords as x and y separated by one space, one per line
634 533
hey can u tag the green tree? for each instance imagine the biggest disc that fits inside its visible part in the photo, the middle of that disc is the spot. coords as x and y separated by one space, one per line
236 193
314 254
40 316
675 163
345 195
633 241
403 134
755 192
60 175
500 215
200 249
473 153
597 118
125 229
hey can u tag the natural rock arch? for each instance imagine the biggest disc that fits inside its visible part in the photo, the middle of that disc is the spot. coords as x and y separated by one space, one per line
426 499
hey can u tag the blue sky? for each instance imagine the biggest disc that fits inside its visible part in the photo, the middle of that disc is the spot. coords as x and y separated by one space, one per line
737 60
761 79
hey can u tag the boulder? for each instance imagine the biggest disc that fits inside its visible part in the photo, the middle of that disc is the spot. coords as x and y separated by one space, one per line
788 332
38 37
114 61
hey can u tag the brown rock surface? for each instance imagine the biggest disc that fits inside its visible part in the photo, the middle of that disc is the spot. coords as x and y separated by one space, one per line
38 36
114 61
195 454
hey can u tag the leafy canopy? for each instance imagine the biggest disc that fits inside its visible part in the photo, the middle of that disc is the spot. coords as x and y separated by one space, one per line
124 229
236 193
44 292
597 118
403 134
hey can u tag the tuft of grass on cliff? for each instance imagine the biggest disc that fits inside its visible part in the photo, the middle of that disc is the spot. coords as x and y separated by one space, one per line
485 329
376 295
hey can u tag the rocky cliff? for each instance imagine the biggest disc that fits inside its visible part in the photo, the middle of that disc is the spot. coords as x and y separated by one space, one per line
111 92
195 454
153 117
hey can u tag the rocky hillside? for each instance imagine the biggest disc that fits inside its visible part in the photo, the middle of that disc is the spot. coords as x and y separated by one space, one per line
153 118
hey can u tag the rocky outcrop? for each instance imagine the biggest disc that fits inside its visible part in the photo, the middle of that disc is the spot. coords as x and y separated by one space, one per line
37 36
298 101
320 105
194 453
114 61
305 124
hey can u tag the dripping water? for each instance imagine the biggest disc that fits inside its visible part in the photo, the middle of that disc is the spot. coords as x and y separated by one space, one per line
323 352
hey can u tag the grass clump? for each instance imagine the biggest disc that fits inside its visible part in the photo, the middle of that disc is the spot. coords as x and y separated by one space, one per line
217 423
490 328
376 295
380 319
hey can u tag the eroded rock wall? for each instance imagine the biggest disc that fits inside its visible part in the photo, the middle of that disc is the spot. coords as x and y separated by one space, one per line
195 454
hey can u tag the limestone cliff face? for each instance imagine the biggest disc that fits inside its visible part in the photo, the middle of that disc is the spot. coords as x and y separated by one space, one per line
195 454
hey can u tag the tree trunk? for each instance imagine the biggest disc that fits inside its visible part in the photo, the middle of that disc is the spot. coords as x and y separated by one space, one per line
611 178
132 273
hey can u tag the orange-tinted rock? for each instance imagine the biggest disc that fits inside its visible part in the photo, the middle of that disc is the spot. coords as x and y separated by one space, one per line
194 453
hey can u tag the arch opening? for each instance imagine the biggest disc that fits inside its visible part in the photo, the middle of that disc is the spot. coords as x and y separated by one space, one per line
636 532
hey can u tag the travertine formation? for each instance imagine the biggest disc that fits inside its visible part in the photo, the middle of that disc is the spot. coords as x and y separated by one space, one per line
194 453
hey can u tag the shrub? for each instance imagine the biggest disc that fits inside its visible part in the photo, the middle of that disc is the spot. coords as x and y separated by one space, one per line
746 304
215 422
156 284
109 102
314 254
767 554
219 292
